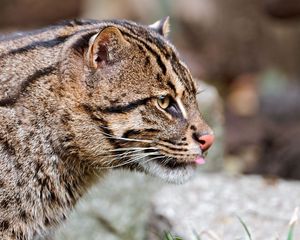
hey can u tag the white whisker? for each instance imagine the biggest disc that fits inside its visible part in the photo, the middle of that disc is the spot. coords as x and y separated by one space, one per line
138 157
127 139
153 158
131 139
135 148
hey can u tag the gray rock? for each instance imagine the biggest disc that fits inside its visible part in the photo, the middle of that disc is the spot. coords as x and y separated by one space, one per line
213 202
115 209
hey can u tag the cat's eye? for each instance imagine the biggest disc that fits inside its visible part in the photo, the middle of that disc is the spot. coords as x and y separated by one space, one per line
164 101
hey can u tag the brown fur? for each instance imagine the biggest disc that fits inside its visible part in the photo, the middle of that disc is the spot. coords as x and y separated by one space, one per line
79 98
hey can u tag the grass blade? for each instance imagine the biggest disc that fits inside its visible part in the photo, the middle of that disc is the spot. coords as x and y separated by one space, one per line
168 236
292 224
290 233
245 228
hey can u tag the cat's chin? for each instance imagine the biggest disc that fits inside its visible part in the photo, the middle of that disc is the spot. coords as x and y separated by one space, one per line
179 174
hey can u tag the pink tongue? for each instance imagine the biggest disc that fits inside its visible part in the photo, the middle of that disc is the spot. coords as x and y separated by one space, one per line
200 160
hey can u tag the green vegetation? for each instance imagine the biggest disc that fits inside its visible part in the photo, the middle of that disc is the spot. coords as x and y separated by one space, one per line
245 228
212 236
168 236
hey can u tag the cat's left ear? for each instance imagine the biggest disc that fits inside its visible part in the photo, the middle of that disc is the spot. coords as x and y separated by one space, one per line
105 47
162 26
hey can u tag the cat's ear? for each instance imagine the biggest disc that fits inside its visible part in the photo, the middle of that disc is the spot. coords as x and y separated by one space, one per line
162 26
105 47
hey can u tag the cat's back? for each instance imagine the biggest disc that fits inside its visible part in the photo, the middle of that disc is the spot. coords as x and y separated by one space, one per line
25 55
48 37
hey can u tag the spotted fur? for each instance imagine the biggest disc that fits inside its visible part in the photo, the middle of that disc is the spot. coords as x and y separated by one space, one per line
80 98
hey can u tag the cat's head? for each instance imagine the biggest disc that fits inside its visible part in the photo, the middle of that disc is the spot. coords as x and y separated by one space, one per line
140 99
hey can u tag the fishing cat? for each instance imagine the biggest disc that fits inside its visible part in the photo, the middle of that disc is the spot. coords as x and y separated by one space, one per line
80 98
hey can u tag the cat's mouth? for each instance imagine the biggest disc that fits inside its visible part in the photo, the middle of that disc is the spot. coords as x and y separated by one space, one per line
173 163
172 169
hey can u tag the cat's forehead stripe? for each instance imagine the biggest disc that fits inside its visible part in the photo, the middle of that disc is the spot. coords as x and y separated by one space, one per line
172 86
144 44
184 76
162 50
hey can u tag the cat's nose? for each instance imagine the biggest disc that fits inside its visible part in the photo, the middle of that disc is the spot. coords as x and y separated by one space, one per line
206 141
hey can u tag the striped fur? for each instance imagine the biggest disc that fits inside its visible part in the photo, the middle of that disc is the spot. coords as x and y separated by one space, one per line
79 98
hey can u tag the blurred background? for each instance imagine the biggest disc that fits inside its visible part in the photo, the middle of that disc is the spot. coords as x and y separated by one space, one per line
246 55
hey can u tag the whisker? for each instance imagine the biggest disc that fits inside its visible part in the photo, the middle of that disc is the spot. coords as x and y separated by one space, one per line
125 155
122 153
130 139
153 158
170 147
126 139
135 148
139 156
178 153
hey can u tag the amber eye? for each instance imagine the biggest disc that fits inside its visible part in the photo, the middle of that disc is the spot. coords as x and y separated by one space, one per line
164 101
